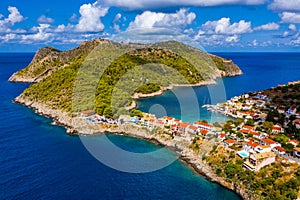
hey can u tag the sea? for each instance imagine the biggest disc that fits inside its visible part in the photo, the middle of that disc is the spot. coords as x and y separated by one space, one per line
39 160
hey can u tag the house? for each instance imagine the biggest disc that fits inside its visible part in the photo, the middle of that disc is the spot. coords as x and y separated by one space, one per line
279 150
87 113
203 132
293 142
221 136
291 111
247 127
281 110
269 142
258 161
296 152
168 120
247 106
229 142
264 148
277 128
182 127
192 129
160 123
296 123
251 147
261 96
205 126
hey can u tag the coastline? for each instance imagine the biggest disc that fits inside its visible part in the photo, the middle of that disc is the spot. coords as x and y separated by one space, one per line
74 126
162 90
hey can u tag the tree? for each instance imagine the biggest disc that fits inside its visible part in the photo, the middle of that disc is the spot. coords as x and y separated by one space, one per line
136 113
268 126
250 122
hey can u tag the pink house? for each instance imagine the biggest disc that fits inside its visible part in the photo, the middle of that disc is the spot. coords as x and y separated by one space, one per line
257 161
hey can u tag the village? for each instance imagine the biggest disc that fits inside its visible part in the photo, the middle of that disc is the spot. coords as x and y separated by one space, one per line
252 138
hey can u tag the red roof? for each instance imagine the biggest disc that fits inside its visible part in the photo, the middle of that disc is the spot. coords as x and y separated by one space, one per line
252 144
222 135
276 128
204 132
245 131
203 124
183 125
229 141
293 141
194 128
168 118
279 148
88 112
248 127
268 141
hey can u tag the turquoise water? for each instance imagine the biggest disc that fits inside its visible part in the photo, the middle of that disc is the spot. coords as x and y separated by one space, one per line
260 71
39 161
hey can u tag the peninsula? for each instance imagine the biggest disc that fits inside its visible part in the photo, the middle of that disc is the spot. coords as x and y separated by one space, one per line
54 75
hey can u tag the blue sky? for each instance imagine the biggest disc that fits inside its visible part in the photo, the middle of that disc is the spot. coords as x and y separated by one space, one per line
214 25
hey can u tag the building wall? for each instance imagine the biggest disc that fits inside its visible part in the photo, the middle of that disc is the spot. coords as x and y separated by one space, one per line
265 162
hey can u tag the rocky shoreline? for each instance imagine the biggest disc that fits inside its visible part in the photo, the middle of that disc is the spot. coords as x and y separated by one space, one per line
75 126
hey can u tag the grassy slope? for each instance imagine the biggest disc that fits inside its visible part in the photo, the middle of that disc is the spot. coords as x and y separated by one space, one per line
109 89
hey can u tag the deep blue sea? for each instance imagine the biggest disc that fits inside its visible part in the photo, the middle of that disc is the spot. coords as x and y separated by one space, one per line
39 161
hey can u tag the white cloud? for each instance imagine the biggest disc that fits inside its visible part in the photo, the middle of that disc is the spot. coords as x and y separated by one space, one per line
290 17
90 18
73 18
45 20
223 26
285 34
41 35
150 4
13 18
268 27
234 38
8 37
116 20
254 43
150 19
292 27
117 17
286 5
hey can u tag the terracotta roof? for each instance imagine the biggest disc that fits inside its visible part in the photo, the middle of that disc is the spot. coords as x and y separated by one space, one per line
183 125
279 148
222 135
252 144
168 118
293 141
229 141
204 132
194 128
248 127
86 112
203 124
268 141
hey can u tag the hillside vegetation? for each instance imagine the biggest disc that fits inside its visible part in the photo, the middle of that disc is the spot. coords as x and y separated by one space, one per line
103 75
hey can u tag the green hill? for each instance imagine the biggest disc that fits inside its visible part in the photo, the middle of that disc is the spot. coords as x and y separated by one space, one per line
103 75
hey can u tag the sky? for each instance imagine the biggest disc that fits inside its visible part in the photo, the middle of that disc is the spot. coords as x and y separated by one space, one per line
212 25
